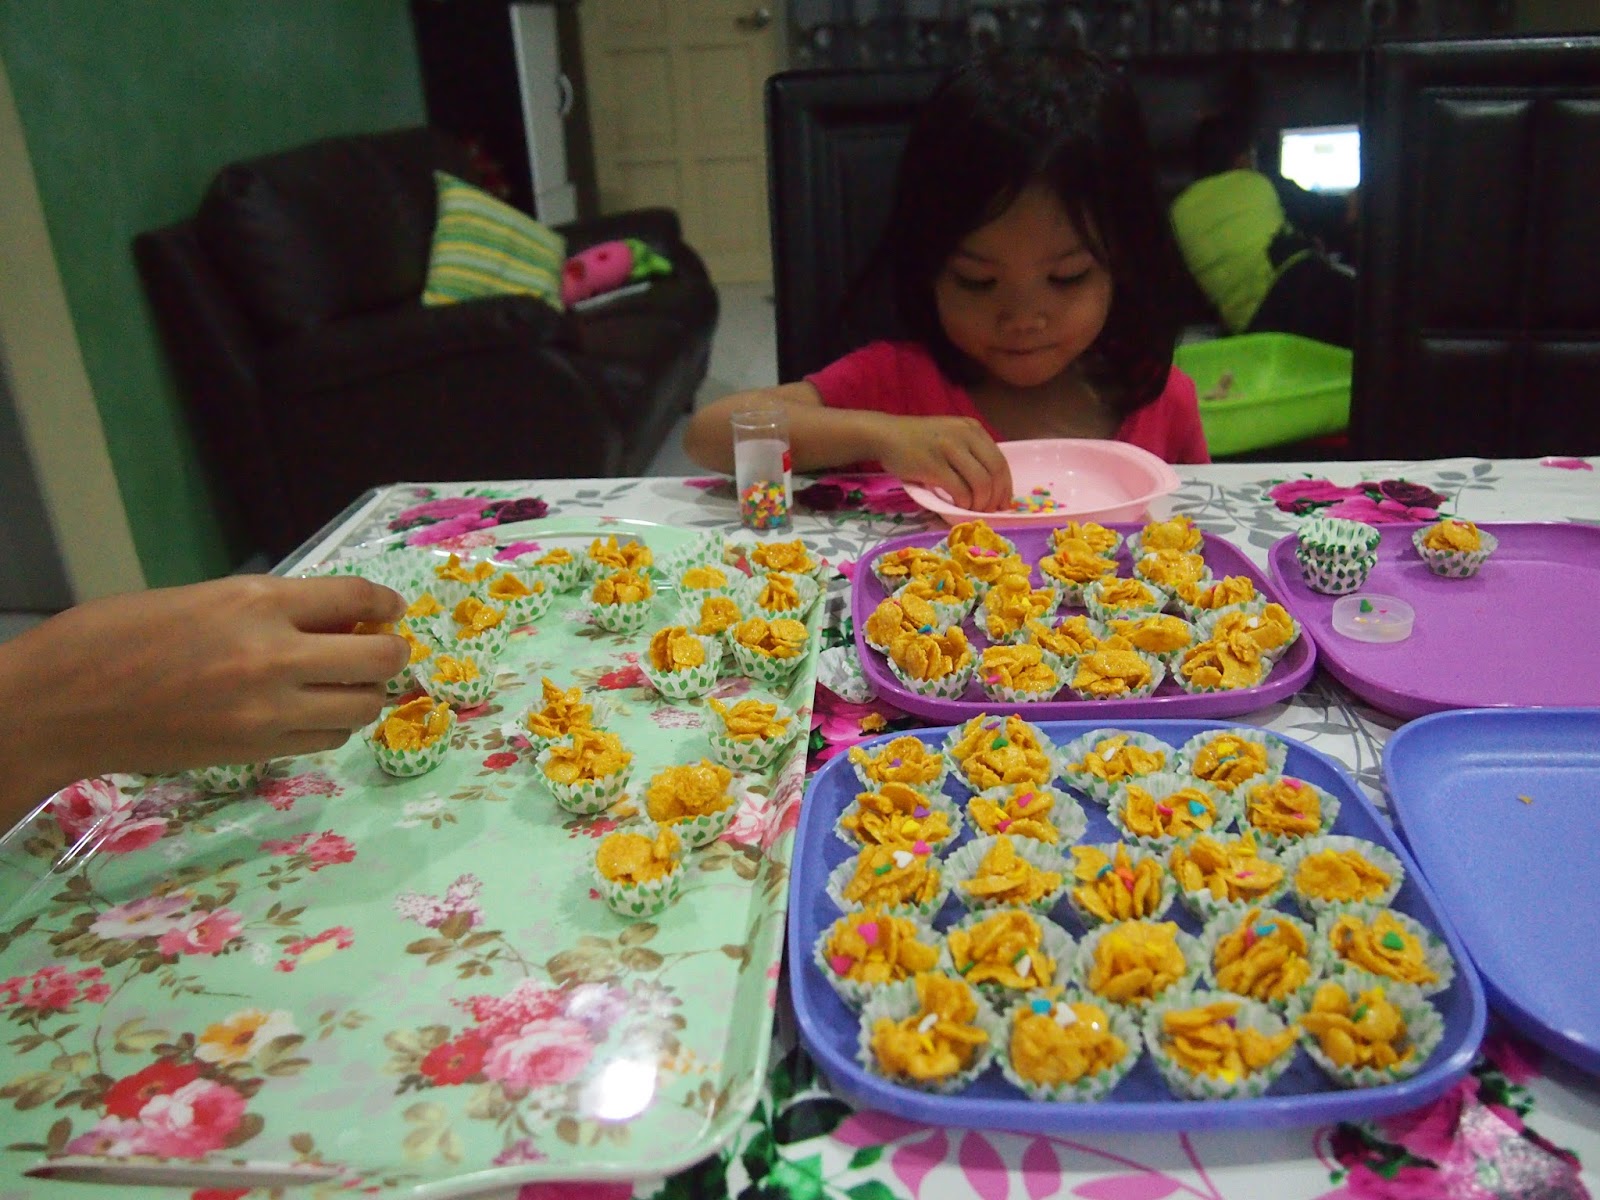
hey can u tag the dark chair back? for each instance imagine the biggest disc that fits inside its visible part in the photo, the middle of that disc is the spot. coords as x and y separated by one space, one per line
1478 324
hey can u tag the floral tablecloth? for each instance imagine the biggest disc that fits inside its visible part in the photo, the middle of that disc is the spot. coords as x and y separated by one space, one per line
1518 1125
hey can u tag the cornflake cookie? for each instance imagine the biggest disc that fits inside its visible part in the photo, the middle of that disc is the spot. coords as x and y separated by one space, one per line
1228 760
1100 539
473 617
1284 807
1106 673
1223 593
1209 1040
790 557
750 720
1115 758
1383 945
778 593
1075 561
1340 876
637 858
425 605
1132 962
1005 876
1020 809
938 1041
454 570
1169 811
927 657
588 755
563 712
1005 949
718 614
702 578
897 566
897 617
1125 595
993 750
1116 887
1449 534
675 649
897 814
610 556
874 946
506 587
1360 1031
899 760
1223 663
1057 1043
1018 668
1270 628
780 638
414 725
945 583
1179 533
1065 639
1226 872
1013 601
892 876
1158 634
1171 569
622 587
1264 956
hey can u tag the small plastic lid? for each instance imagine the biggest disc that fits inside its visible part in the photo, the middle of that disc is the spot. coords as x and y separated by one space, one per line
1370 617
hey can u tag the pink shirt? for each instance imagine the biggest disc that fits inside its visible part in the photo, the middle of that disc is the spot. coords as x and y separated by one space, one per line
901 378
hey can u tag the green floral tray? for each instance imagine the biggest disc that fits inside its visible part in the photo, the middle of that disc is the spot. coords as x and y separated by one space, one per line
396 983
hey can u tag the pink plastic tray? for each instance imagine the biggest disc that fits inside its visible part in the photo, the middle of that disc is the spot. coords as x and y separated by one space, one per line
1520 633
1288 677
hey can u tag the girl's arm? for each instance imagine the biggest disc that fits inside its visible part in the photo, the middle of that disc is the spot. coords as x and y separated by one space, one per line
953 454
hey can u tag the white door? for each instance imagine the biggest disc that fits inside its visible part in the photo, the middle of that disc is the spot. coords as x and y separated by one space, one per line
675 100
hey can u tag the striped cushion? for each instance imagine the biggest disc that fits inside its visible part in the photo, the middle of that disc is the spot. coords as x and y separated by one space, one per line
484 247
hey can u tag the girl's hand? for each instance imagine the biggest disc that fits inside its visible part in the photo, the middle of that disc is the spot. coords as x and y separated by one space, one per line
950 453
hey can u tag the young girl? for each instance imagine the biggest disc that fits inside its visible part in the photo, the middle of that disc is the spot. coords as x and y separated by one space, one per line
1031 260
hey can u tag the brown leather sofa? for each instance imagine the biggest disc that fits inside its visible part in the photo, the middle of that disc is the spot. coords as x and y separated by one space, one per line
290 309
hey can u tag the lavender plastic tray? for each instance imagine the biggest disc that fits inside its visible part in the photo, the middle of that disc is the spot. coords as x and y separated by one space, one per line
1520 633
1141 1102
1455 782
1169 700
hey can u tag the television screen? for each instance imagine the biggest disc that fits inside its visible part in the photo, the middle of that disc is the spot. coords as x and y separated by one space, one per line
1325 158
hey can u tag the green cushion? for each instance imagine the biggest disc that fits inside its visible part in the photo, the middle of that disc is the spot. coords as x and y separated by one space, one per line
484 247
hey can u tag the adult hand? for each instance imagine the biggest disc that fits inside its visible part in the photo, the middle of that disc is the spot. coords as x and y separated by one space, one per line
951 453
237 670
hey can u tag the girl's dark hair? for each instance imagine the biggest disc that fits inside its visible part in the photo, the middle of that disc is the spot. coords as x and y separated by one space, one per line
1065 118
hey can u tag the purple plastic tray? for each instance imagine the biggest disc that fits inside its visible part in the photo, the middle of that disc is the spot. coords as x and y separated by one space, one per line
1141 1102
1169 700
1454 782
1520 633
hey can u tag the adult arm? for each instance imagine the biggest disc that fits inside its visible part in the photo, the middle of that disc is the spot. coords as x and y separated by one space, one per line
236 670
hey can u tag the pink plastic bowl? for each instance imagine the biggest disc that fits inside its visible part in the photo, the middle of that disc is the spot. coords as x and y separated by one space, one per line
1089 479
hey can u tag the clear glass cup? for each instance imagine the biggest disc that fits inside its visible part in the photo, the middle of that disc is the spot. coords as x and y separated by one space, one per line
761 467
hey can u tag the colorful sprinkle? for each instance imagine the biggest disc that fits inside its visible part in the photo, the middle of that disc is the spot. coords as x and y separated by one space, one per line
1066 1018
1164 809
1366 606
883 870
902 859
841 964
1266 930
1392 941
1361 1011
927 1023
1040 1006
765 505
1003 824
999 743
1196 808
921 847
869 932
1025 966
919 811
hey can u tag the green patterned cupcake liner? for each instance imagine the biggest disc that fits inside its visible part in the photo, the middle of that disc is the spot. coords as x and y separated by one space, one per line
818 571
1135 545
1007 546
940 803
999 693
997 725
1328 808
945 612
1136 855
1335 537
1276 748
467 693
1066 814
764 668
1083 964
588 797
561 576
805 587
1056 943
945 687
638 900
1072 754
1424 1031
898 1001
687 683
751 754
1435 953
1187 1085
630 617
1335 577
1091 1088
1312 907
1207 907
863 758
1197 689
704 549
704 828
408 763
525 610
1195 613
1455 564
855 992
734 588
1160 785
229 778
1158 672
1226 923
841 875
963 864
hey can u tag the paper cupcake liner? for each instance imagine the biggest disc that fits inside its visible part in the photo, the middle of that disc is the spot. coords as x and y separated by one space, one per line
1196 689
939 803
841 875
945 687
1282 843
1195 613
1424 1030
1277 750
1312 907
1001 632
1092 1087
592 568
855 992
673 571
688 683
890 583
1136 855
701 830
1205 626
999 693
1083 965
1207 907
468 693
751 754
588 797
1161 784
407 763
1336 578
1158 672
928 787
1099 790
1456 564
1434 951
451 592
1101 611
1135 545
1335 536
805 587
1007 546
525 610
640 900
703 549
1184 1084
561 576
764 668
620 618
1055 942
229 778
963 863
995 723
1117 540
1066 815
946 612
898 1001
1224 924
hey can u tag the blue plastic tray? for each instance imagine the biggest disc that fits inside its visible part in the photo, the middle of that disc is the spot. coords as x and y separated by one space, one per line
1518 879
1303 1096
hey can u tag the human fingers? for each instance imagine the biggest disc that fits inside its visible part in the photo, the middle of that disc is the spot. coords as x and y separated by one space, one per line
349 658
336 603
337 706
997 470
965 460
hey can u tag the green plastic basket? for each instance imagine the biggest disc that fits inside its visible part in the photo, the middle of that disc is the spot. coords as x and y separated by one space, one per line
1284 388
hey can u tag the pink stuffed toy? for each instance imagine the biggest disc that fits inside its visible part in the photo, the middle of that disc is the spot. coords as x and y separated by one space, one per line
607 266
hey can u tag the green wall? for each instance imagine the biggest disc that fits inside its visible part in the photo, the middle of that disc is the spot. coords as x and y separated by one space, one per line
129 108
